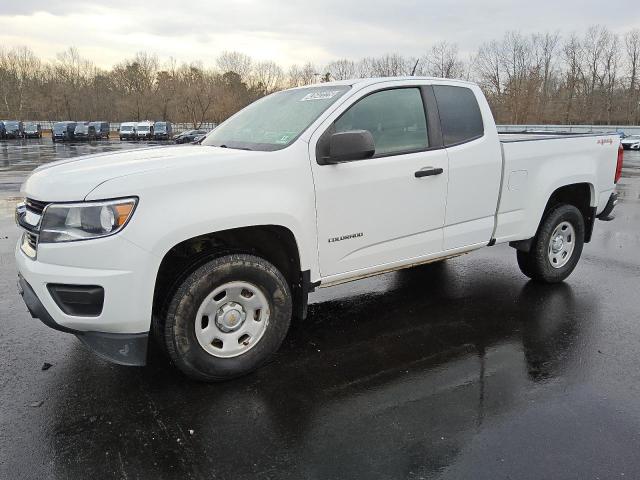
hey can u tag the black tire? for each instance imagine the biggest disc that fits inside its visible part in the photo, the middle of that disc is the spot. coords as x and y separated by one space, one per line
536 264
180 338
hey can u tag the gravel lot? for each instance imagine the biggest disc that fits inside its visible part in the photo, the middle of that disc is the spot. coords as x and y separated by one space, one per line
458 370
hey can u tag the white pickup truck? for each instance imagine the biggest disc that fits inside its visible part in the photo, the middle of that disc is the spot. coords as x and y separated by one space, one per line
214 247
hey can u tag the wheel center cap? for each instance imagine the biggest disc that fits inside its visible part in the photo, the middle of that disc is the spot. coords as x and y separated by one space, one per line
557 244
230 317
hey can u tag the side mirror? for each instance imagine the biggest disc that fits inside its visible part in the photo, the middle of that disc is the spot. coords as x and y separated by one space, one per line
350 145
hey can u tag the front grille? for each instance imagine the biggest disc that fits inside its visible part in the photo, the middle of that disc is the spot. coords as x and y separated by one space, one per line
32 239
36 206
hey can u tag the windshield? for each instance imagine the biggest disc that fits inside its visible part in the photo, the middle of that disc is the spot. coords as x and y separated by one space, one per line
143 129
126 128
160 127
82 128
31 126
11 124
275 121
60 127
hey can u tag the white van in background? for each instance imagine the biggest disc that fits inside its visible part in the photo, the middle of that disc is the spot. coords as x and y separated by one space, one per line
144 130
127 131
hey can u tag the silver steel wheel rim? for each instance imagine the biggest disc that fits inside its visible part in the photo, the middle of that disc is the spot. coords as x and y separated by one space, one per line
232 319
561 244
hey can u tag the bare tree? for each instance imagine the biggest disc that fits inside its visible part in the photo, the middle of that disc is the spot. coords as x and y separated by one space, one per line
442 61
589 77
632 43
342 69
267 77
610 61
235 62
300 76
572 53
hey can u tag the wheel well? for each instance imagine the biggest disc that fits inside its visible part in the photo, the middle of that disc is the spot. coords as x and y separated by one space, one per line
274 243
578 195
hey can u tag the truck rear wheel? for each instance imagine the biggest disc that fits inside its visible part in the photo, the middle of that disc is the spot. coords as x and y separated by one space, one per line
557 246
227 318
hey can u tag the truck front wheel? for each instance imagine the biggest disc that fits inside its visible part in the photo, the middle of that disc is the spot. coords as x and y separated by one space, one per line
227 318
557 246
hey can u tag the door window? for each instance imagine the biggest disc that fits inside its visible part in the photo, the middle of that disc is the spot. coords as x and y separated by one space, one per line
395 118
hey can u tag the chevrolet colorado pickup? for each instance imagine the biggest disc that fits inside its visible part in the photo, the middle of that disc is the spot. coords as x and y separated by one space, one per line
213 248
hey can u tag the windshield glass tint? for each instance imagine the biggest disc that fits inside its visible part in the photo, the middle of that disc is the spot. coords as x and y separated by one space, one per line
11 124
273 122
126 128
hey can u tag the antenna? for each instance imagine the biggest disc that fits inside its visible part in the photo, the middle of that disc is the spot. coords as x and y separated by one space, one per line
413 72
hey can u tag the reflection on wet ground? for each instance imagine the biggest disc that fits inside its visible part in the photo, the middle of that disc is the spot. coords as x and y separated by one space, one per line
461 369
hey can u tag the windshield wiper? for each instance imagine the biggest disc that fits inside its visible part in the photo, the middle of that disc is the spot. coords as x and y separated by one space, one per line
235 148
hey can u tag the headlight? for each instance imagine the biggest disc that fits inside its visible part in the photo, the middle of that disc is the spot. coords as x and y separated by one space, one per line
82 221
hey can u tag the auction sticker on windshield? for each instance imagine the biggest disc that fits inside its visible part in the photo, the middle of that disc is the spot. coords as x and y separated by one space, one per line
323 95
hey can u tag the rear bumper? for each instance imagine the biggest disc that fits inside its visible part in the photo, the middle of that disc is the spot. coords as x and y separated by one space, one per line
606 214
121 348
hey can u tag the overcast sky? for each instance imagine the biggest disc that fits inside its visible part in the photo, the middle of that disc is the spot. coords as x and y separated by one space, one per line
288 31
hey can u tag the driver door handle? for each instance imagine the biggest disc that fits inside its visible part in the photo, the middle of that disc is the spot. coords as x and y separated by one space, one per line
428 172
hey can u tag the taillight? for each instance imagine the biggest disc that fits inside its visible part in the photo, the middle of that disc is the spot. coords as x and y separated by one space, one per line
619 164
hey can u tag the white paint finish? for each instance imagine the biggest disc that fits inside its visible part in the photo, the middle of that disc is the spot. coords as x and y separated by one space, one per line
399 216
474 181
517 180
550 164
188 191
126 272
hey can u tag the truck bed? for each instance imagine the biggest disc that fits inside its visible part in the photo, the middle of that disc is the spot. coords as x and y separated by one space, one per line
534 167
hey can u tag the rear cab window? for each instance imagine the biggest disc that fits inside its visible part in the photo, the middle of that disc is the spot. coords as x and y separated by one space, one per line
460 116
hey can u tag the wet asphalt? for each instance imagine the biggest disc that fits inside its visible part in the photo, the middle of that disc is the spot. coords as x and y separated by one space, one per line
458 370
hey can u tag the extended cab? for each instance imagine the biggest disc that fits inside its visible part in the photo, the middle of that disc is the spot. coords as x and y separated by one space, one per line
215 247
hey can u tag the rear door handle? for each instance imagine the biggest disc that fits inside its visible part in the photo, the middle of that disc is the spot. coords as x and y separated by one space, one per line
428 172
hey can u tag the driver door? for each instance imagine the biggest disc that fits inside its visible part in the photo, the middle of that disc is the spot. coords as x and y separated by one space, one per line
374 213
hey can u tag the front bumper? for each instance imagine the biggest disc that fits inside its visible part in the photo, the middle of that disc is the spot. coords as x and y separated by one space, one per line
121 348
118 332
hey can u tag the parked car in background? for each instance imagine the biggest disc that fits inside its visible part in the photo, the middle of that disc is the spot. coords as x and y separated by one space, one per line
2 131
144 130
198 138
63 131
13 129
102 130
85 131
32 130
162 130
189 136
632 142
127 131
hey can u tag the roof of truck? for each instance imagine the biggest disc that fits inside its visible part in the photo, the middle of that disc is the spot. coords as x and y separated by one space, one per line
364 82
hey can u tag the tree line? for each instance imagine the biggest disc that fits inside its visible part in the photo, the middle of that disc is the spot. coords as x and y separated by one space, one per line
589 78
